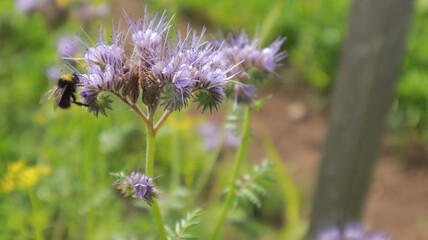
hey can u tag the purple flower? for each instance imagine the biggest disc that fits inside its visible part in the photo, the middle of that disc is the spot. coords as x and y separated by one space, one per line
163 70
270 56
26 6
351 232
67 46
232 140
103 70
148 34
211 136
209 132
330 234
138 185
244 93
242 48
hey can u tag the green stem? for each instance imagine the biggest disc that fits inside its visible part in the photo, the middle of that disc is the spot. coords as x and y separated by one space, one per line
150 153
35 218
150 150
239 157
150 158
158 220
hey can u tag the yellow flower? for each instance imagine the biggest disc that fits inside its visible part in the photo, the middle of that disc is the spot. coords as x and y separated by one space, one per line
19 176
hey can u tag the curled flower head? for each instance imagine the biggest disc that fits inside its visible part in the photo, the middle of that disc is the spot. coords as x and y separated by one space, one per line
350 232
242 48
256 62
148 33
139 185
160 70
244 93
106 53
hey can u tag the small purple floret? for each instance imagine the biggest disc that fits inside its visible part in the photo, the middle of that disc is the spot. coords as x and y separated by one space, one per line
351 232
139 185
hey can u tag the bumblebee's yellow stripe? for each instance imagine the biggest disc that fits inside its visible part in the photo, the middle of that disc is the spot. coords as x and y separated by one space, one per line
67 77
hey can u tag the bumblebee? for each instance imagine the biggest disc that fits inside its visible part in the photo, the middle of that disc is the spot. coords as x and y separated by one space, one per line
64 92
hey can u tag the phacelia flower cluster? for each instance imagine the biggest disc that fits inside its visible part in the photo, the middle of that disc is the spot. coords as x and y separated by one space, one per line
138 185
351 232
160 70
255 61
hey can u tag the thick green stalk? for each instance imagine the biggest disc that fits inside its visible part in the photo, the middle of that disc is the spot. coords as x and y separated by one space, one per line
150 158
238 160
158 220
150 151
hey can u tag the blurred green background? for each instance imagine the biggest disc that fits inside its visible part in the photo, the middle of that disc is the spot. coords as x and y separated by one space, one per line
76 200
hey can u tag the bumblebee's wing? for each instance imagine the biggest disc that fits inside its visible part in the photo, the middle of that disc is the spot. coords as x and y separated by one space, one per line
48 95
58 95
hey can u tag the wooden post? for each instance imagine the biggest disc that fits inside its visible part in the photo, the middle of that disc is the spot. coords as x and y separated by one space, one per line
364 85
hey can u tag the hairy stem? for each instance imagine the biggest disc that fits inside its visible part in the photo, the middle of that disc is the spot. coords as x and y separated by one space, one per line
158 220
150 150
161 120
150 155
150 159
238 160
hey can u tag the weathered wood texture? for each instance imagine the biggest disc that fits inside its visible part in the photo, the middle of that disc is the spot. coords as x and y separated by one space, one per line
369 68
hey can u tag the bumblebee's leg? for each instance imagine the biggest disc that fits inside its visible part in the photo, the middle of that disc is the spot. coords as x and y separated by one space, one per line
81 104
73 97
77 103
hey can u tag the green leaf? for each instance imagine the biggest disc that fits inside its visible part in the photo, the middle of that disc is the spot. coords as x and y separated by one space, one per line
252 197
249 188
259 103
183 225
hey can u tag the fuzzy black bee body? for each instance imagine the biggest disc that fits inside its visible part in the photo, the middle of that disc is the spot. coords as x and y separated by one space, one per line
64 92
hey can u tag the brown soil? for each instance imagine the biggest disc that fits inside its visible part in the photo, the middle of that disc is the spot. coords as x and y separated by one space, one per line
398 200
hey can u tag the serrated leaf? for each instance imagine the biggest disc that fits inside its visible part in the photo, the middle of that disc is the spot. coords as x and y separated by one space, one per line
184 224
252 197
169 232
268 178
249 191
231 117
187 236
230 126
258 188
